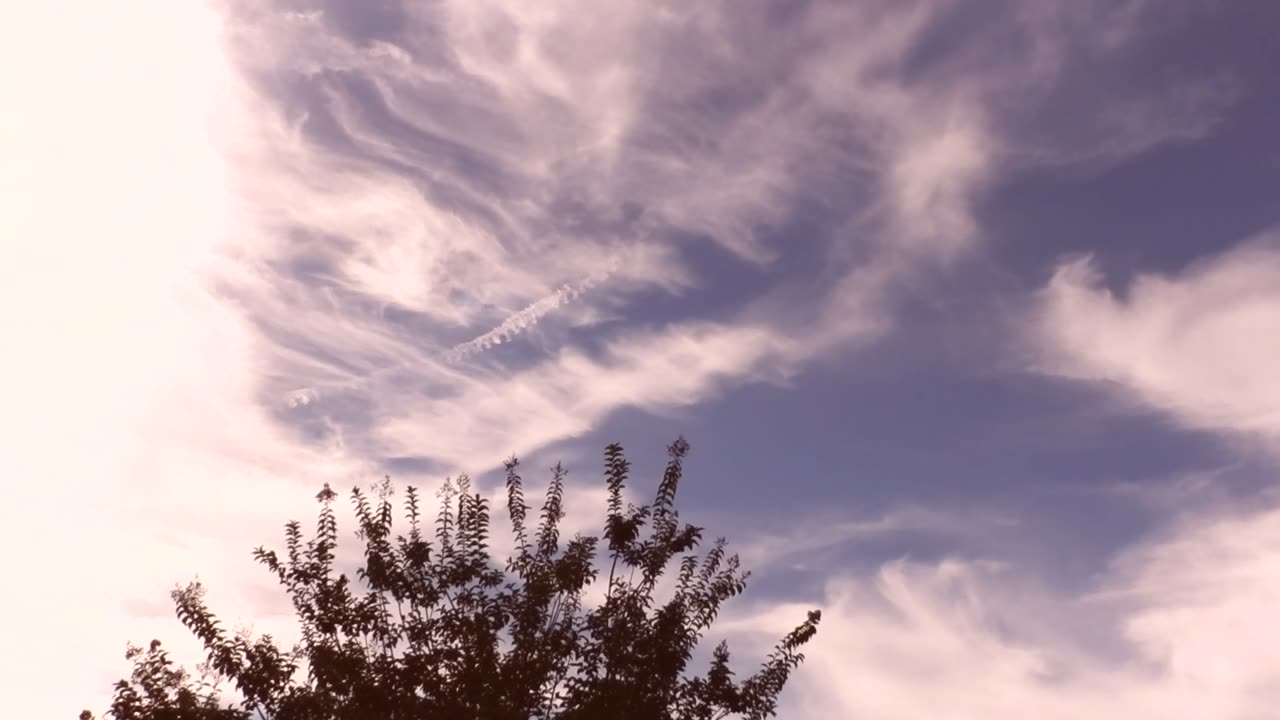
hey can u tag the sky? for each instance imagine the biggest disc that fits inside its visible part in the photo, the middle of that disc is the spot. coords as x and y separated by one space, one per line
969 310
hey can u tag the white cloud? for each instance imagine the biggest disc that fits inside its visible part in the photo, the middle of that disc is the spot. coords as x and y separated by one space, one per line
474 199
1200 345
671 368
970 640
497 273
1176 627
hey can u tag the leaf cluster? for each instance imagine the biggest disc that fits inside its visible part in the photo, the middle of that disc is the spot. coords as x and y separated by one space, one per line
441 631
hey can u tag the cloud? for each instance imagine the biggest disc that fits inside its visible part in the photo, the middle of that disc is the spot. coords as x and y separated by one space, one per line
1175 629
1175 626
1096 102
1199 345
526 318
816 541
418 195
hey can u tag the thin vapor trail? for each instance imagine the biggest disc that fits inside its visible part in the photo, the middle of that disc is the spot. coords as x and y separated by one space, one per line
529 316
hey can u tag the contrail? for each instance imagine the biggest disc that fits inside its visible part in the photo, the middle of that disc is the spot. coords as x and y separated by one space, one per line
509 328
529 316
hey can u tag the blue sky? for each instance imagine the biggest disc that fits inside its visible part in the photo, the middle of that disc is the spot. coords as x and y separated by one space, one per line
969 311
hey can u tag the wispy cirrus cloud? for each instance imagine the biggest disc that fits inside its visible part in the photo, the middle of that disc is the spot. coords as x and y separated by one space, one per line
1175 628
1188 600
425 190
1198 345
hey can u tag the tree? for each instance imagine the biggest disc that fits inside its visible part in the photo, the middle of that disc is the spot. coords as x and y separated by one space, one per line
443 632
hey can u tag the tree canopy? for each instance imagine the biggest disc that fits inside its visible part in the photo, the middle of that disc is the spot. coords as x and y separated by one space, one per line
441 631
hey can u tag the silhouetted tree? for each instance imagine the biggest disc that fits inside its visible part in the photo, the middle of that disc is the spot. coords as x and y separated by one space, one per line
442 632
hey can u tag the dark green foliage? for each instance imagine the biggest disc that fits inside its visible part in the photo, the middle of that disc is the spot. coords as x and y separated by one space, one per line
441 632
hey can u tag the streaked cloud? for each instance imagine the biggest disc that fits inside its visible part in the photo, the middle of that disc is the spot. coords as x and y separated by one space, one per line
1199 345
419 194
1175 629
